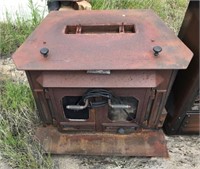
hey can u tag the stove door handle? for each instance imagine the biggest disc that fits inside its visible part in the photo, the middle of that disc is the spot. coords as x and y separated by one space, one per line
78 107
118 106
114 106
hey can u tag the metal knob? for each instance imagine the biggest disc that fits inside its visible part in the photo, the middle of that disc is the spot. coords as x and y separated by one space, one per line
44 51
157 50
121 131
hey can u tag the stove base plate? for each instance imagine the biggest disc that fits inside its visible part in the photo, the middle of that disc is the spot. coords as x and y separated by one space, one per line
145 143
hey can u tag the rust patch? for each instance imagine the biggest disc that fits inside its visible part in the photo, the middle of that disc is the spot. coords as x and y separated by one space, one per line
144 143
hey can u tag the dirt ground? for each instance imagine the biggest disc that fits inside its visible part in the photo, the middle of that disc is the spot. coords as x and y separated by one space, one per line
184 151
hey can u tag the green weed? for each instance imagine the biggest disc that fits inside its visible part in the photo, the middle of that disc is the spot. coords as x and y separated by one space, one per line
18 120
18 117
13 33
171 11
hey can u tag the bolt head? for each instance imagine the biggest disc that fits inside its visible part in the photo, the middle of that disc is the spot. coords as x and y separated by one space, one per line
44 51
157 50
121 131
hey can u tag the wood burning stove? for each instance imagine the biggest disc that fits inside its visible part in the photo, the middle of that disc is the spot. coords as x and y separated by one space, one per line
101 79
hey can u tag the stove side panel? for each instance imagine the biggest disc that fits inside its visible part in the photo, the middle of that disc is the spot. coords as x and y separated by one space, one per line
41 99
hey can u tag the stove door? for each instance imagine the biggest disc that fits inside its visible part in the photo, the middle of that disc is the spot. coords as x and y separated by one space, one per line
125 112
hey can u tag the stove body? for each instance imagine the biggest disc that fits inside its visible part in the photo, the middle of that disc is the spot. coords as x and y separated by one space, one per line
101 80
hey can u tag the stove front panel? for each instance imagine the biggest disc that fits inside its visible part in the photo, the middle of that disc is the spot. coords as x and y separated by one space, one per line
145 91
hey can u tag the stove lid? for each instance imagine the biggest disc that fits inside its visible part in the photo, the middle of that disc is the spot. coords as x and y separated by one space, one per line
102 40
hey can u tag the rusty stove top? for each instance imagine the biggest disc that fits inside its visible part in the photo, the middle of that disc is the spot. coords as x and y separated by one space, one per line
102 40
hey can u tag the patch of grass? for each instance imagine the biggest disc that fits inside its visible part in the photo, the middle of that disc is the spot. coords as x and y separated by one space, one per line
18 117
18 120
171 11
13 33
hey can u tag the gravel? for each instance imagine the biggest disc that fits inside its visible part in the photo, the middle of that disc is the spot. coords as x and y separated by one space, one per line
7 68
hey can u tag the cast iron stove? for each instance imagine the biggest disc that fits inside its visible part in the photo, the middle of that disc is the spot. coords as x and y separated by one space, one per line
101 79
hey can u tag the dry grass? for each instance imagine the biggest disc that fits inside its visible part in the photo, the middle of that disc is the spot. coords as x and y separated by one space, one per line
17 122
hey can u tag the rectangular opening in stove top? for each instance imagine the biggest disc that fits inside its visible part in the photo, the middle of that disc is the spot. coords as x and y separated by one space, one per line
99 29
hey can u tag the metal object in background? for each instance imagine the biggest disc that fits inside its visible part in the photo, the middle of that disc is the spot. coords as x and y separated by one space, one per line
183 105
56 5
137 85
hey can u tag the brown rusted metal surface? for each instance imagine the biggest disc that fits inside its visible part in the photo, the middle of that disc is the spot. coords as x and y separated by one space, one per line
191 123
115 45
186 86
144 143
117 79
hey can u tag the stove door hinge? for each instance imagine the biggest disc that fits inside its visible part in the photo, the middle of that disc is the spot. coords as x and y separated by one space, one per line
46 94
153 93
